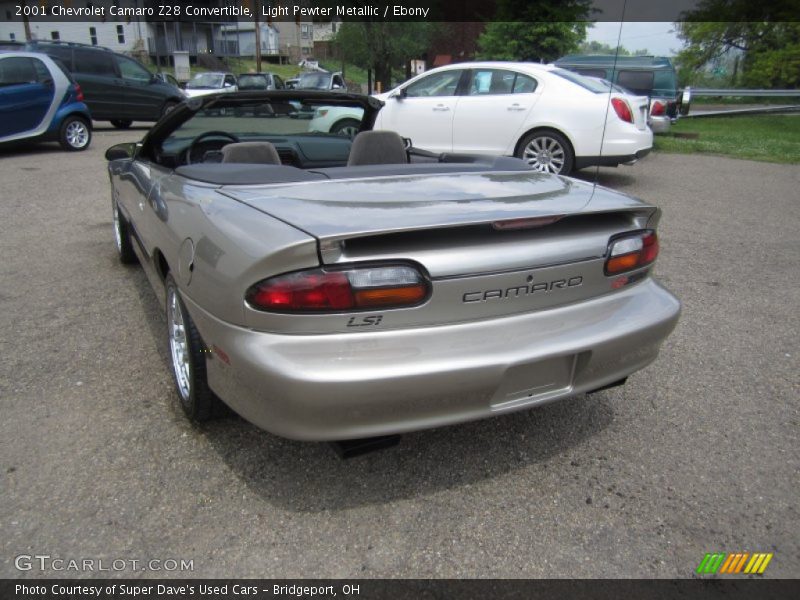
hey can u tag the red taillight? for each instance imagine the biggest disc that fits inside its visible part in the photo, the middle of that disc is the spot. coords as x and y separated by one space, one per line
357 288
631 252
622 109
658 109
78 93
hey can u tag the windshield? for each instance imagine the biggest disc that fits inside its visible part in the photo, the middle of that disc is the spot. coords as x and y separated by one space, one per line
205 81
287 122
252 82
588 83
314 81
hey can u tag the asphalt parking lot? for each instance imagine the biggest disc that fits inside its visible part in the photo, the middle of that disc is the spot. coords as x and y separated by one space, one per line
700 452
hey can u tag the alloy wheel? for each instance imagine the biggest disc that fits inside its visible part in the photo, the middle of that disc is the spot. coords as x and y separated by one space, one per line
77 134
545 154
179 345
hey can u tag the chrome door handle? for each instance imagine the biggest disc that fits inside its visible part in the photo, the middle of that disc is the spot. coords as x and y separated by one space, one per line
441 108
516 107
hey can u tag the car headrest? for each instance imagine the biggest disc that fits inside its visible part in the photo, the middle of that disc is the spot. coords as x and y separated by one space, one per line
261 153
377 148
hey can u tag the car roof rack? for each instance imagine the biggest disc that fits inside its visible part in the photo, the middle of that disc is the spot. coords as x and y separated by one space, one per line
69 44
586 60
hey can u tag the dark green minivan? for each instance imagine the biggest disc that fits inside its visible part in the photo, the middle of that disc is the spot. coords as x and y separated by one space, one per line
652 76
116 87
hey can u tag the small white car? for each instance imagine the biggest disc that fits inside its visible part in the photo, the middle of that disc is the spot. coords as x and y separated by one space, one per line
342 120
556 120
203 84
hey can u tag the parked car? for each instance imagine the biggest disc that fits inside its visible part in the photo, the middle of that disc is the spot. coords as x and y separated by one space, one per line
330 288
320 80
554 119
203 84
259 81
651 76
39 100
167 78
341 120
116 87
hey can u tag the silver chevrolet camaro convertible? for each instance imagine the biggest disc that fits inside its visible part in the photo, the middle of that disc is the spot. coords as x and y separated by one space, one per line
331 286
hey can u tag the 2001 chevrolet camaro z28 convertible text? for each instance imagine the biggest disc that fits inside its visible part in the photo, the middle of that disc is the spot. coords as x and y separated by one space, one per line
330 287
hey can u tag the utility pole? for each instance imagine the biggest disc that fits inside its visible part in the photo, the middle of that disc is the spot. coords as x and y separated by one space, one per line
256 11
26 24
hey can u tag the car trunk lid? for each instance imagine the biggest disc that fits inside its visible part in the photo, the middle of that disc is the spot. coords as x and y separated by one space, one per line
454 229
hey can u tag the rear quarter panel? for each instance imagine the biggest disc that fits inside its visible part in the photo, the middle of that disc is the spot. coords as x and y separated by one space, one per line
217 247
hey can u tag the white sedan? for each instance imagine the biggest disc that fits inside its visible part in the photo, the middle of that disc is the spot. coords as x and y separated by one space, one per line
204 84
554 119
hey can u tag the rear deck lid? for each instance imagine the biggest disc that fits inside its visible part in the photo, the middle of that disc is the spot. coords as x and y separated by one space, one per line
346 208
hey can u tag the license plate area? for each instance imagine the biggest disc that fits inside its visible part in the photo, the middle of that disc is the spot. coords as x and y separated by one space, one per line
535 382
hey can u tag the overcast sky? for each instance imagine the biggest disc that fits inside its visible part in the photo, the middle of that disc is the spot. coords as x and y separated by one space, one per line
659 38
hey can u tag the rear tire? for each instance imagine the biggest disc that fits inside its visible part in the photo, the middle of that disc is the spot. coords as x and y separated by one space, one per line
547 151
75 134
121 123
188 360
122 235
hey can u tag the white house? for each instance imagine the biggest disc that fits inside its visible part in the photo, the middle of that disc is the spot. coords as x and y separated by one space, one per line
116 33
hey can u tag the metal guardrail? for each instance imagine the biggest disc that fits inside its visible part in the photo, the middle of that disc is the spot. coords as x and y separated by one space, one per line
744 92
687 94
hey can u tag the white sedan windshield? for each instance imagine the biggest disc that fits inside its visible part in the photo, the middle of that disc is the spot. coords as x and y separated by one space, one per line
205 81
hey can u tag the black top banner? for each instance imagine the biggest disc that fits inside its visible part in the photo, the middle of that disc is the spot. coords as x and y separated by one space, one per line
226 11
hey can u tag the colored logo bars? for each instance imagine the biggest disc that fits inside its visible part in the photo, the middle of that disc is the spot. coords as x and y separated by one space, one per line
736 562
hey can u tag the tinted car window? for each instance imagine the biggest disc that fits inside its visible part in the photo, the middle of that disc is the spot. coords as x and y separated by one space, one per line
638 82
61 53
279 85
599 73
63 69
17 70
42 73
94 63
130 69
437 84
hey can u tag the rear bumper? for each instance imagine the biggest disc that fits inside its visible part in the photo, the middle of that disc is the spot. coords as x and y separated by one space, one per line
346 386
660 124
582 162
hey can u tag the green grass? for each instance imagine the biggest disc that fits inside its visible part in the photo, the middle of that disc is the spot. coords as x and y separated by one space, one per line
770 138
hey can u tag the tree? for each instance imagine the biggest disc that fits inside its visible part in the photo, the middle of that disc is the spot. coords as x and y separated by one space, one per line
538 30
769 46
596 47
383 45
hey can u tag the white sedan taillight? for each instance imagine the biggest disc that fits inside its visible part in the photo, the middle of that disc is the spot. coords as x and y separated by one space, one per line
622 109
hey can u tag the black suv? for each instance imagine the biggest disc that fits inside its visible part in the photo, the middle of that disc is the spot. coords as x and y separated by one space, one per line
116 88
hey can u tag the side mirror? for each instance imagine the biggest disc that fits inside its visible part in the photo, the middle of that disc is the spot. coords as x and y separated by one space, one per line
336 86
399 94
126 150
227 85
